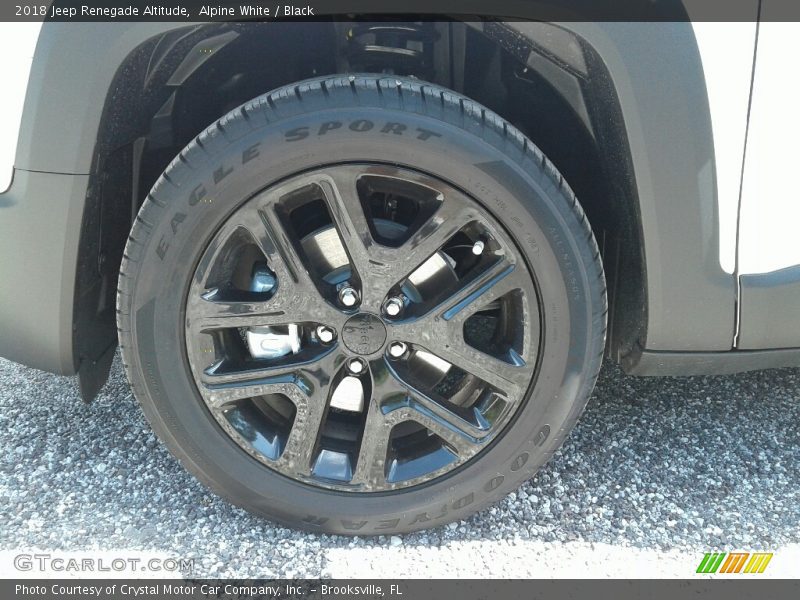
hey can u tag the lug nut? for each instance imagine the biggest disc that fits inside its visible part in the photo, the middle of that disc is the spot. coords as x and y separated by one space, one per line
477 247
348 296
393 306
355 366
325 334
397 349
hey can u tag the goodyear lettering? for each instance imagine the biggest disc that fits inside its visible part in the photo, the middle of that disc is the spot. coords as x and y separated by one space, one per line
424 517
520 461
388 524
494 483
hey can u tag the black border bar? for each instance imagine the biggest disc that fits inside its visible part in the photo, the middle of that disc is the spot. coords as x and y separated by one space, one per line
191 11
401 589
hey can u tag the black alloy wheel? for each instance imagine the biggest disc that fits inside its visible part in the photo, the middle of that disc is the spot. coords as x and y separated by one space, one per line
389 343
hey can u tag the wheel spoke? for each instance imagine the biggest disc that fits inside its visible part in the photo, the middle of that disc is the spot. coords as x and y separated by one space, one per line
314 380
303 437
220 390
431 410
511 380
380 266
440 331
434 411
317 376
448 220
371 463
455 431
372 262
295 299
341 193
261 225
208 314
277 244
498 280
451 314
280 372
308 373
219 395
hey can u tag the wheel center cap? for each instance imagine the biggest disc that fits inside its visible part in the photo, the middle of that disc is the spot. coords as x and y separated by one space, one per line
364 334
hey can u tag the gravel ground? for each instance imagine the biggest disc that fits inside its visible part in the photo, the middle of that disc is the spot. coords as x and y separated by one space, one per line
657 472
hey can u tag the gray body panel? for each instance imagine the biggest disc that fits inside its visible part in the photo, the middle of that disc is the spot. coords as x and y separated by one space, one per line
40 221
770 309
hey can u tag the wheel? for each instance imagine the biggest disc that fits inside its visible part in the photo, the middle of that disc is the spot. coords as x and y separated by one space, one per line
362 305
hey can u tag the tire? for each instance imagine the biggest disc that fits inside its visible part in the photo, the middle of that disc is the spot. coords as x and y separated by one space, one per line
432 134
